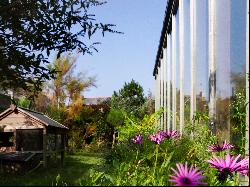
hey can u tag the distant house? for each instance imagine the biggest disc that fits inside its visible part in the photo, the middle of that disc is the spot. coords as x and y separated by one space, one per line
25 133
101 103
96 100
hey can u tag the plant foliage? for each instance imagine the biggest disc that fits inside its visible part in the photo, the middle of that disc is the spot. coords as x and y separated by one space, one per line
31 29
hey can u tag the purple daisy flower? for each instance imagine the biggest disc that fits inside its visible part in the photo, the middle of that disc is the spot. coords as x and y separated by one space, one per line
161 135
244 172
218 148
229 165
157 138
186 177
171 134
137 139
244 162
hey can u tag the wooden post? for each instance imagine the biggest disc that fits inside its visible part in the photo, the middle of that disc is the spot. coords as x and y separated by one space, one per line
63 149
14 140
44 148
55 147
1 168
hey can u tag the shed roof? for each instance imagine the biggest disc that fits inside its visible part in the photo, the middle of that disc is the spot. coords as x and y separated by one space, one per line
44 119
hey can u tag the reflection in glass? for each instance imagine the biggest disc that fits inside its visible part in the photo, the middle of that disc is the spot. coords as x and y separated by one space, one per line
187 75
170 81
230 62
177 77
222 68
201 76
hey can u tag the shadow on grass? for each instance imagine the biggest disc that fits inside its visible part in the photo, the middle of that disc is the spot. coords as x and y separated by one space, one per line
75 170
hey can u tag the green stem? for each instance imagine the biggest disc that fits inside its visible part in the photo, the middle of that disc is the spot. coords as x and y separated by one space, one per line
221 154
242 138
137 152
156 158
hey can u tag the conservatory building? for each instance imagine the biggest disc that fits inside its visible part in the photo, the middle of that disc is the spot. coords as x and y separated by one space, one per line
202 66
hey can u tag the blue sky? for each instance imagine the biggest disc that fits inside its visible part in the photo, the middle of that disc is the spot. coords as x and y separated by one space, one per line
123 57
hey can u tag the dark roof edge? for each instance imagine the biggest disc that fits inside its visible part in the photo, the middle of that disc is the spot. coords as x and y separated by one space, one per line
34 117
56 121
11 109
172 6
25 110
5 112
29 110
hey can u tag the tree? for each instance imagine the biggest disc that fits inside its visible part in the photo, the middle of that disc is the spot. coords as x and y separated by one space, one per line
149 105
64 67
130 98
66 85
31 29
77 84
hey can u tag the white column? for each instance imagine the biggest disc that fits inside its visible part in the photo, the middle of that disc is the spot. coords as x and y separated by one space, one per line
165 87
159 91
159 88
192 56
212 56
162 91
161 68
181 44
168 82
160 94
174 71
156 91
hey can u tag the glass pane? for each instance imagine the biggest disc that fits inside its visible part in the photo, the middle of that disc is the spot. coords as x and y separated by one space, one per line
168 81
201 77
177 77
238 68
187 71
171 95
230 64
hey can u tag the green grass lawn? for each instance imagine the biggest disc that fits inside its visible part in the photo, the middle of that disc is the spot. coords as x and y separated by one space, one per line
74 172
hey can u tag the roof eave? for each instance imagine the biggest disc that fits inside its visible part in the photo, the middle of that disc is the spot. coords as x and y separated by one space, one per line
172 6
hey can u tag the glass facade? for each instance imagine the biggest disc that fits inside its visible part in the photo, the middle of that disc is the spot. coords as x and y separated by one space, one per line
214 66
187 64
238 64
230 61
177 70
173 69
201 65
222 67
168 81
171 86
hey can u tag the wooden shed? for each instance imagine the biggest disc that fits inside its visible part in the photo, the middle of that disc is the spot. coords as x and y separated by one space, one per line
26 131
